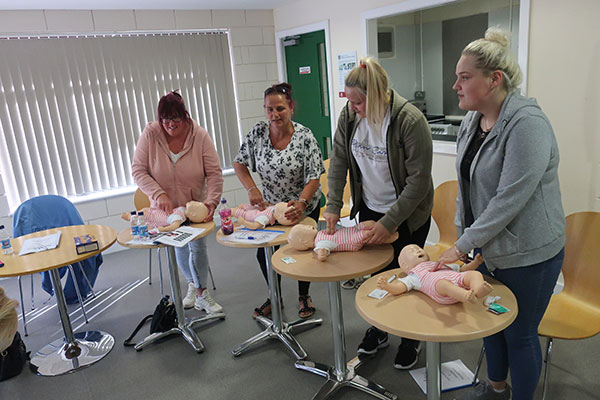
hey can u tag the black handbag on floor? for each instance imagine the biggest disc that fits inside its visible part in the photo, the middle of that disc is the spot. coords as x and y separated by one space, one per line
13 358
163 319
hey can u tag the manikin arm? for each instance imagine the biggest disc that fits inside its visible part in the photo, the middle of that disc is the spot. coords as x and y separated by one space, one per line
174 225
258 223
395 287
477 261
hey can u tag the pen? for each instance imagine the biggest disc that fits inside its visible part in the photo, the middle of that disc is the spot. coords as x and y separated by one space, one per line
1 264
250 238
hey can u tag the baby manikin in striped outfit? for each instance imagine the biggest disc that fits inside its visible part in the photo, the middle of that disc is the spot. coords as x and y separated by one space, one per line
253 217
446 284
162 221
304 237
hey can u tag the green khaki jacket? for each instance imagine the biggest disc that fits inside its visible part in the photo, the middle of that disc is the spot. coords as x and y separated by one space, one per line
410 156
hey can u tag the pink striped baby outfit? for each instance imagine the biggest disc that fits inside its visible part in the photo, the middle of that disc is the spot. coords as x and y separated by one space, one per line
250 212
429 279
156 217
347 239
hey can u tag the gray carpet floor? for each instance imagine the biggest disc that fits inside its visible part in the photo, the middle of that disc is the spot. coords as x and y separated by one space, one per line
172 370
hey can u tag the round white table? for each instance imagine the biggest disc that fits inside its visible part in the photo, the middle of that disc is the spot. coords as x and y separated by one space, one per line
339 266
75 350
184 324
275 328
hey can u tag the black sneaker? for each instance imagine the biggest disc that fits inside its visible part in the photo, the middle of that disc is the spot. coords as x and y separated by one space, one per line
374 339
408 354
484 391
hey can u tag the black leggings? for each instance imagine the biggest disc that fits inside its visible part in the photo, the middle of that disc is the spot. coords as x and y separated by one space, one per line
260 256
405 237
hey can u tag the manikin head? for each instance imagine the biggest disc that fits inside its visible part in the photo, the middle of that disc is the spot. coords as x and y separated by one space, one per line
279 213
411 256
302 237
196 211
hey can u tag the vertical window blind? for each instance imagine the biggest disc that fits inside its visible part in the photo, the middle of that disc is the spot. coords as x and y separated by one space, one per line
72 107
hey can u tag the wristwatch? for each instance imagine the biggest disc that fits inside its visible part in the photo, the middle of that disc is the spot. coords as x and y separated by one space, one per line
461 256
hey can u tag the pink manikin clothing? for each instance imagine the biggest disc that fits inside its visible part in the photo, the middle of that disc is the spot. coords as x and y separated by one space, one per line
156 217
250 212
347 239
429 279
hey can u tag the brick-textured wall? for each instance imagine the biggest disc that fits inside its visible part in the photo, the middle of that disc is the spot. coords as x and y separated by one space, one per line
253 41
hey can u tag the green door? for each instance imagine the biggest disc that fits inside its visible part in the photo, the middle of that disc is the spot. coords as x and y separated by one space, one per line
306 64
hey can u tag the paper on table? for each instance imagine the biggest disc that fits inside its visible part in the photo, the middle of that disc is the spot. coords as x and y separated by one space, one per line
252 237
455 375
35 245
180 236
144 242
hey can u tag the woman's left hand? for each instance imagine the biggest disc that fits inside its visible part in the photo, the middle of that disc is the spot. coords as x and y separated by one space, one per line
211 212
295 214
380 234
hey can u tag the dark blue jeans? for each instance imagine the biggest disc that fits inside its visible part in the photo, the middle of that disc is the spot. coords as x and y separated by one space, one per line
518 347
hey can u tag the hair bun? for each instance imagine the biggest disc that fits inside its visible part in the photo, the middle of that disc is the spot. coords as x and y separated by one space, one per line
497 35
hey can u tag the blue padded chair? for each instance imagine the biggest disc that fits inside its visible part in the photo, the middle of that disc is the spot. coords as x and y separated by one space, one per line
47 212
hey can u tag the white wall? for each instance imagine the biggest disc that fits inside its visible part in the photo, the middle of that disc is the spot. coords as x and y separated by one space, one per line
564 60
402 68
253 41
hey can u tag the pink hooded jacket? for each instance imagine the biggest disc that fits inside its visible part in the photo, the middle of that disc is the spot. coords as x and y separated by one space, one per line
196 176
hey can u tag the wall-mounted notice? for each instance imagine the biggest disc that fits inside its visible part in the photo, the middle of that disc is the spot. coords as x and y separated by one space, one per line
304 70
346 61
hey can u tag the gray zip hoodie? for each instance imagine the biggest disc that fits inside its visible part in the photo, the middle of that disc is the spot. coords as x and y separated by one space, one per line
514 192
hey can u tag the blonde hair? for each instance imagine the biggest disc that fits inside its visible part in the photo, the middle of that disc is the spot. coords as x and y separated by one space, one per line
370 79
8 320
492 53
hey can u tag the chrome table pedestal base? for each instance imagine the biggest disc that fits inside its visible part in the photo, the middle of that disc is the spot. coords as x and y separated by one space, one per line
184 325
342 374
61 357
277 328
73 351
284 334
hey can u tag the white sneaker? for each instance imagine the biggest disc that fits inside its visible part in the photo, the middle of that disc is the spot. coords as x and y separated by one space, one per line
190 297
207 303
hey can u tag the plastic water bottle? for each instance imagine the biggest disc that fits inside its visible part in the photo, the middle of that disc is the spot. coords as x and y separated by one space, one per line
142 226
133 221
5 241
225 214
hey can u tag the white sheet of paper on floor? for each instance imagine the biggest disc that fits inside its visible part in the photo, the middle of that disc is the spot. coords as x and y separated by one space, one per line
455 375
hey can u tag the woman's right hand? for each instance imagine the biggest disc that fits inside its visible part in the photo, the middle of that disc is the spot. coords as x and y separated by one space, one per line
332 220
164 203
256 199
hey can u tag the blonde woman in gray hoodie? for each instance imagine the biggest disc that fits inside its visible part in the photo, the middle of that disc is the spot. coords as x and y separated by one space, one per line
509 206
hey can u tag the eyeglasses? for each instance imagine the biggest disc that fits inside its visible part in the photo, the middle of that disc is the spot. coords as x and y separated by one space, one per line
167 120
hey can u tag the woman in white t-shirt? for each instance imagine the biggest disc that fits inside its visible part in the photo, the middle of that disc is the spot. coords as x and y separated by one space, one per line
385 144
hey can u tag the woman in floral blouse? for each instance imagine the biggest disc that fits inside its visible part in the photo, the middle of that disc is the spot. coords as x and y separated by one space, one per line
287 158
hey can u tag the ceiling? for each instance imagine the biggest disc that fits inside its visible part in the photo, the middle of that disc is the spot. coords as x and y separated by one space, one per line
142 4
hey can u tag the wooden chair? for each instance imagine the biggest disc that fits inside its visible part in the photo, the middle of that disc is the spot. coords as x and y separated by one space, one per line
574 313
444 209
140 200
345 211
